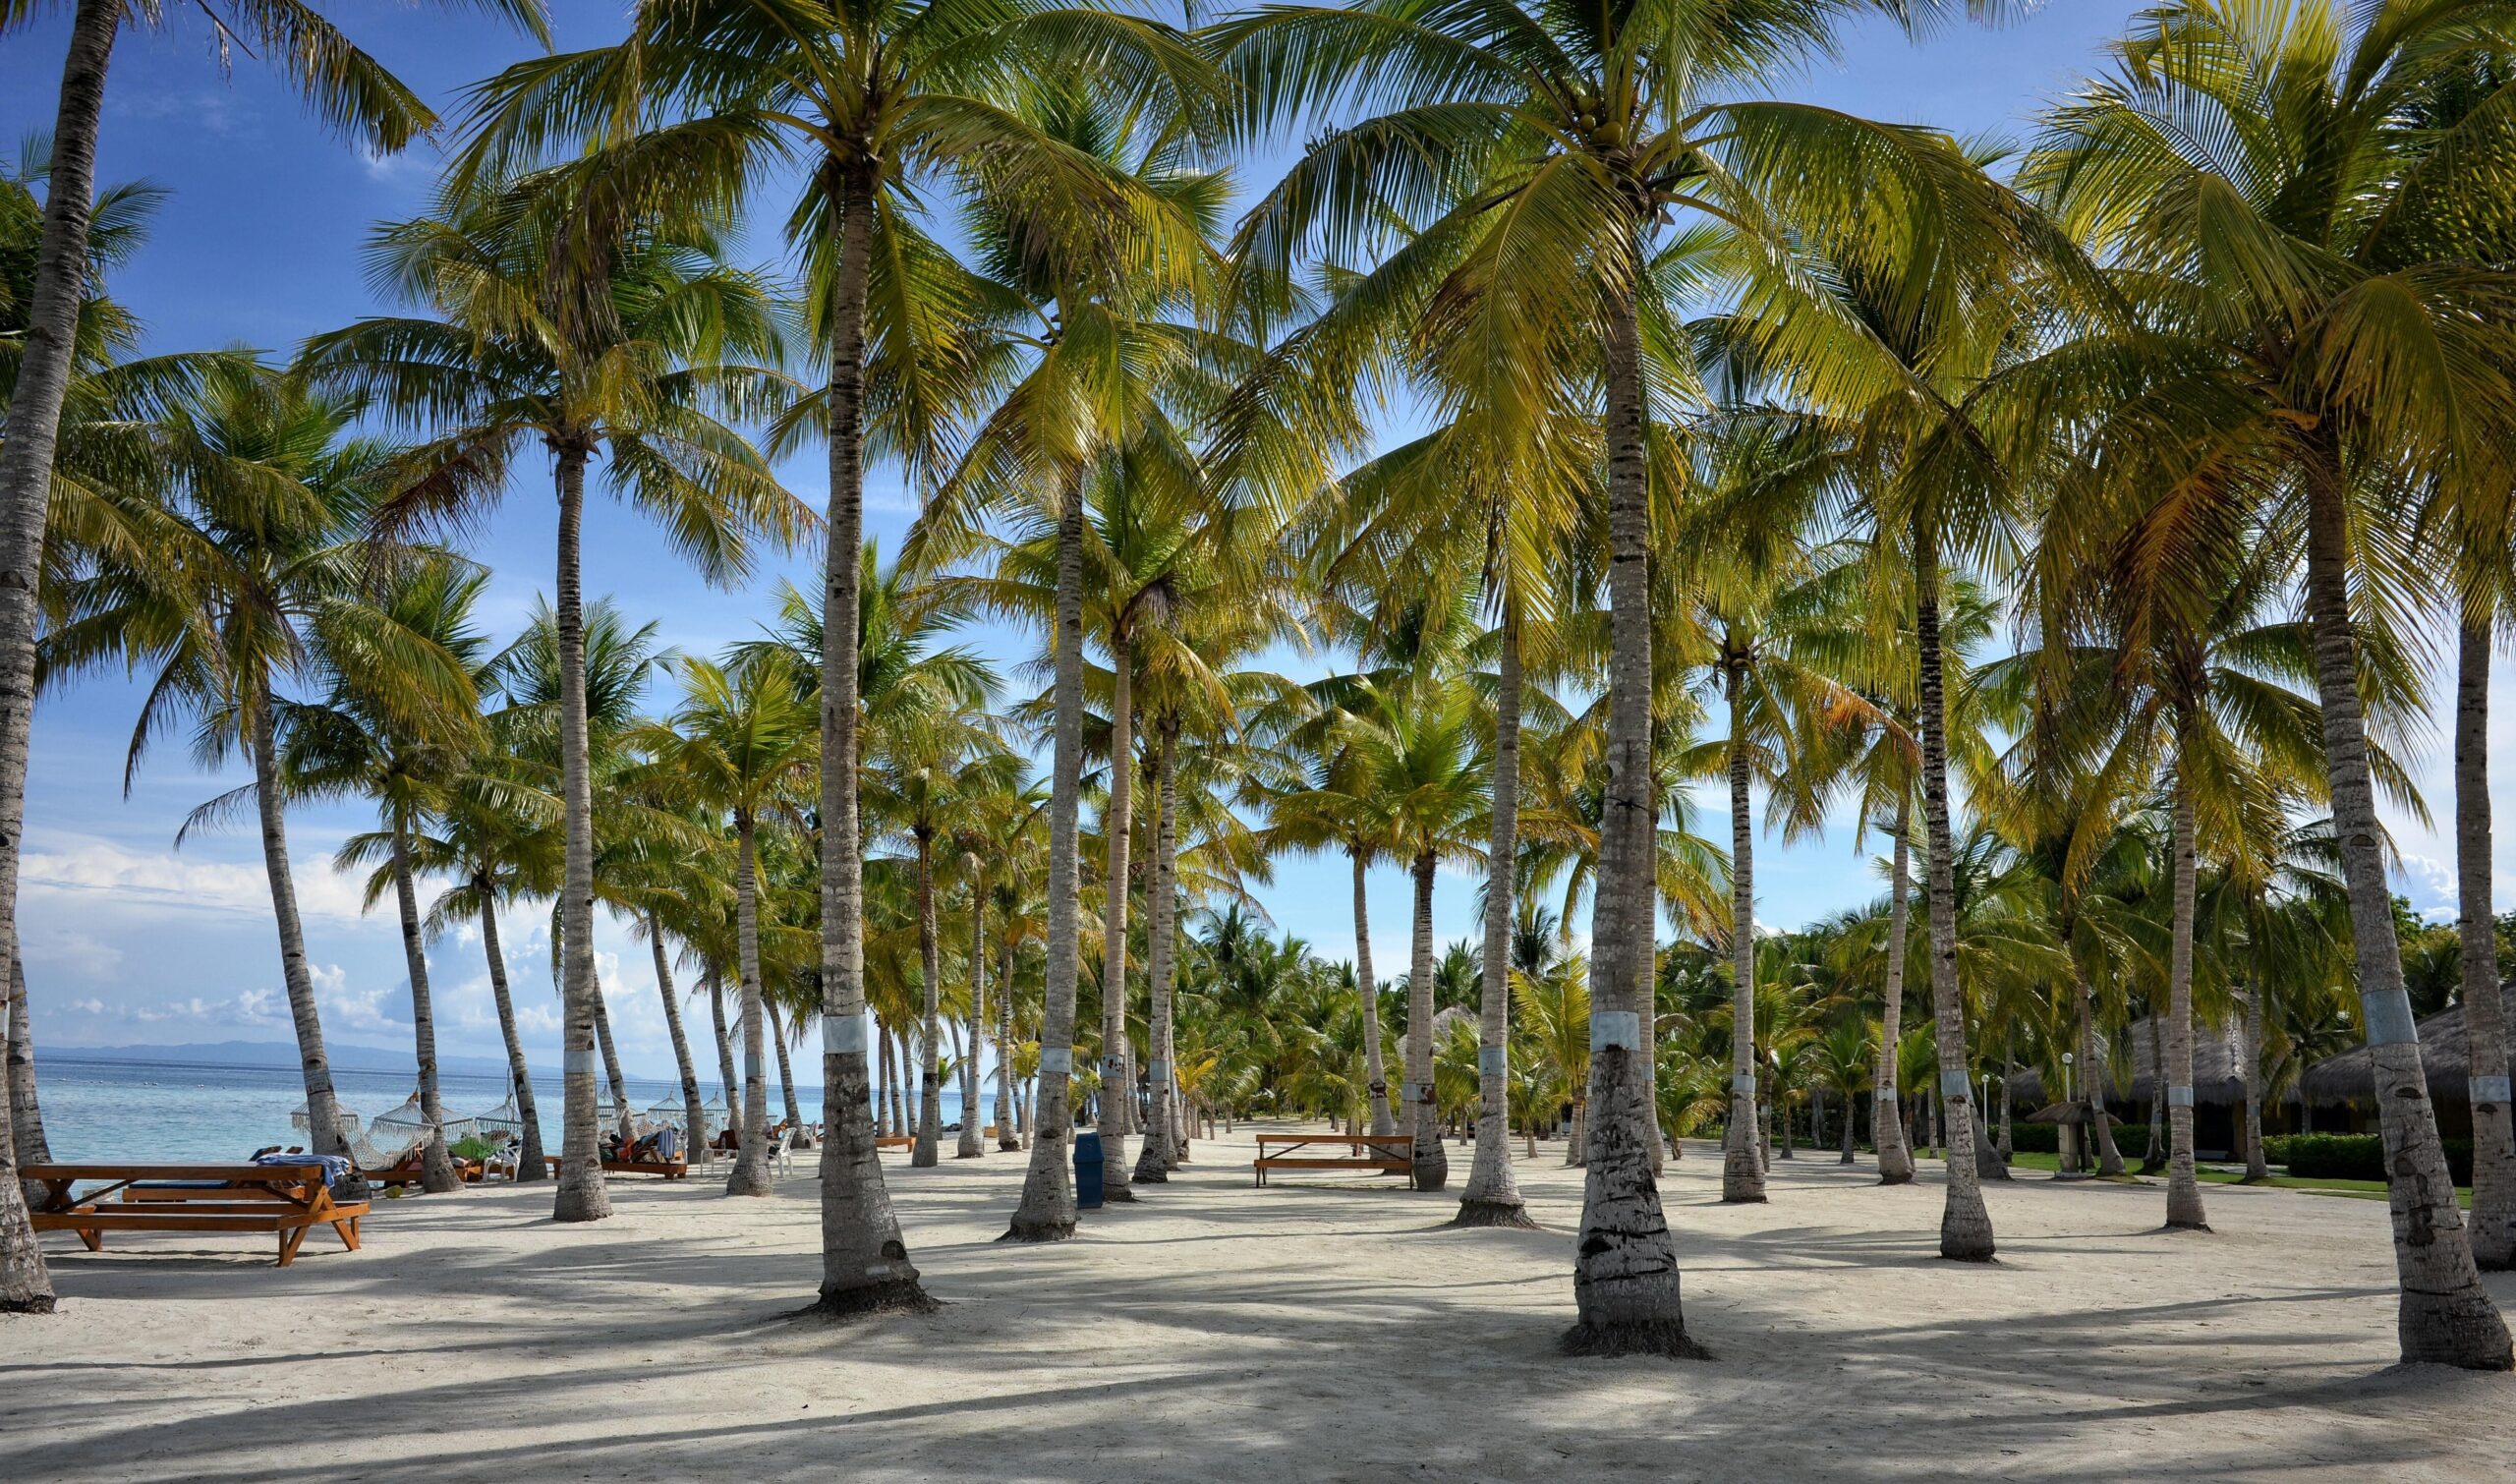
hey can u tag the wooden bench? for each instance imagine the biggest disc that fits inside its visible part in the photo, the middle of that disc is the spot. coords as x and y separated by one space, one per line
286 1200
895 1141
670 1169
1382 1154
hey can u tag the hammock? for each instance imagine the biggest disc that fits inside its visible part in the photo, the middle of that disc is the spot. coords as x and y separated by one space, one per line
503 1118
672 1112
407 1125
304 1122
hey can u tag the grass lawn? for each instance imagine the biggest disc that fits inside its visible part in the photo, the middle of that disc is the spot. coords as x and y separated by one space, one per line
2362 1190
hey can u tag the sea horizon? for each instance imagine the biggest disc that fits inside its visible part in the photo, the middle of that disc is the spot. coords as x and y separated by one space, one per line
105 1107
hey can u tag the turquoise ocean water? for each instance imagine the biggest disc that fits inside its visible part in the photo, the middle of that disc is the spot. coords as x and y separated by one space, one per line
100 1110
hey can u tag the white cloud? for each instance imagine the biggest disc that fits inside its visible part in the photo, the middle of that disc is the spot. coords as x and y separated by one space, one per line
80 874
359 1010
248 1010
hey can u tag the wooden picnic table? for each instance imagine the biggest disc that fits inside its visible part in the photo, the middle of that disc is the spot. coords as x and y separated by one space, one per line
287 1200
1380 1153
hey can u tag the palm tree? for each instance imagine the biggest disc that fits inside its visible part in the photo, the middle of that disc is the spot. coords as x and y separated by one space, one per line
885 103
495 836
1099 367
353 94
260 570
2189 691
741 743
923 786
1423 759
1564 140
2282 286
352 742
511 354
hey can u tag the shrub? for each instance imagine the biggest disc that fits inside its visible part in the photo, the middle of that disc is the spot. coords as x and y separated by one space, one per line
2352 1155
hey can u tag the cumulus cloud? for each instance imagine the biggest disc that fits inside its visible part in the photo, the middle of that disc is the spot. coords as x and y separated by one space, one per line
81 874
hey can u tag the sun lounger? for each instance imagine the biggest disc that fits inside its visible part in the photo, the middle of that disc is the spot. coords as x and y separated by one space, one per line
670 1169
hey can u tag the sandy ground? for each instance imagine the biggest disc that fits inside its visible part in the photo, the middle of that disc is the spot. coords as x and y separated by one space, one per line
1319 1330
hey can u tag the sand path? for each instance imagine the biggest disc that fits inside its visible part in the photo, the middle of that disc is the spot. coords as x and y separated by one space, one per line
1215 1331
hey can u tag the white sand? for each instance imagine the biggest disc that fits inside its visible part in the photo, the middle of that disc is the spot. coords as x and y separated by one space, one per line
1215 1331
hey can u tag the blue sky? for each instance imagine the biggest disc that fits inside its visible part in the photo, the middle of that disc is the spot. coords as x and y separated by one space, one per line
128 941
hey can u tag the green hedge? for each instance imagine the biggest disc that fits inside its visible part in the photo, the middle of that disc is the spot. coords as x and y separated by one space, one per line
2352 1155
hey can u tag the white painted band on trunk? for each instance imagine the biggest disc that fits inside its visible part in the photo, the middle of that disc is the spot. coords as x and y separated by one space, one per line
579 1064
1112 1068
1058 1059
2389 1021
1615 1030
1413 1092
1743 1084
1493 1061
1155 1071
1883 1094
2178 1096
2491 1090
754 1068
1953 1082
842 1035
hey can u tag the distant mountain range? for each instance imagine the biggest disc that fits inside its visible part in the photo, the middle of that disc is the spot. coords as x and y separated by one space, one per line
348 1059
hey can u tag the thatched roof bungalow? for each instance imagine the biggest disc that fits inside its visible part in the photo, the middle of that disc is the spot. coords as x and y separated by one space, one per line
2445 1053
2218 1068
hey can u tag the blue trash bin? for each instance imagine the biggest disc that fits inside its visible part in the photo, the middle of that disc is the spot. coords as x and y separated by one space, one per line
1087 1170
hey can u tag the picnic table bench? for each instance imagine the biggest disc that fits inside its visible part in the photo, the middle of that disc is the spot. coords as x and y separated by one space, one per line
286 1200
1383 1154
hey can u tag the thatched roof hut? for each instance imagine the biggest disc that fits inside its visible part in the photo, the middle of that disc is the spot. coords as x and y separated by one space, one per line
2218 1068
2444 1053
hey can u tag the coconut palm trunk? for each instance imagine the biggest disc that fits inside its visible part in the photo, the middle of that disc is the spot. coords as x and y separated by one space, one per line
25 487
26 1108
532 1163
693 1107
1375 1070
1624 1275
1424 1112
322 1109
1743 1177
1117 1083
2493 1216
1886 1117
2258 1165
25 1285
581 1195
865 1265
751 1167
1047 1210
904 1101
2156 1159
2183 1187
1161 1128
725 1053
1493 1194
1965 1224
436 1166
1009 1125
623 1115
2098 1126
928 1149
2445 1314
970 1147
785 1072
